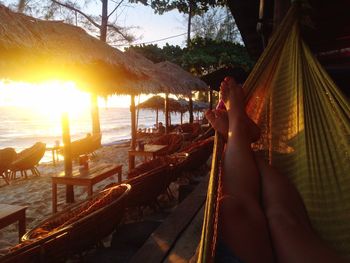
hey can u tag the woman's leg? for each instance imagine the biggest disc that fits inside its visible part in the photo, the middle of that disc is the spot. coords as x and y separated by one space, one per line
243 226
292 236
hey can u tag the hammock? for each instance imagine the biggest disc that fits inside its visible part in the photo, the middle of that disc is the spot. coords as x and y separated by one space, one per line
305 127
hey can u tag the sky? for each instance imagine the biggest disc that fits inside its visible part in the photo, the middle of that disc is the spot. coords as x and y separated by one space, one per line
153 27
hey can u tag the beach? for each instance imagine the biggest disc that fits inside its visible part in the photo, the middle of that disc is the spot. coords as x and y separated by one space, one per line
35 192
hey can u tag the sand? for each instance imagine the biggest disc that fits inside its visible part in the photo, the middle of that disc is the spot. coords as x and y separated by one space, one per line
35 192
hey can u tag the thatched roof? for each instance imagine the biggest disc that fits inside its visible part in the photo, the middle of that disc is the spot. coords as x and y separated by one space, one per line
35 50
200 105
160 79
184 78
158 103
179 105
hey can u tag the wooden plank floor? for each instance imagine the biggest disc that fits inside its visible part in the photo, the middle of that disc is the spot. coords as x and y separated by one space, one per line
176 227
186 246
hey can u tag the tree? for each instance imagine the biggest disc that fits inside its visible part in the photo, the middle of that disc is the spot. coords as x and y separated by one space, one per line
156 54
190 7
73 12
207 55
204 55
218 24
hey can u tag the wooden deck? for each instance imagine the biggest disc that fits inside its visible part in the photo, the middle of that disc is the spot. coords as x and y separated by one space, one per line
176 239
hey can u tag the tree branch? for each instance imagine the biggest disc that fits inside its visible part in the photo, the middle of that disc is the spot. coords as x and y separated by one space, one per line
115 8
78 11
115 28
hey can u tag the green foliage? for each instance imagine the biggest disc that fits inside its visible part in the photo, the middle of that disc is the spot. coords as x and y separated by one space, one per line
183 6
205 55
156 54
218 23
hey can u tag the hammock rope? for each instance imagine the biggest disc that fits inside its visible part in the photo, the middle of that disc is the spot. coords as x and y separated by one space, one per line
305 124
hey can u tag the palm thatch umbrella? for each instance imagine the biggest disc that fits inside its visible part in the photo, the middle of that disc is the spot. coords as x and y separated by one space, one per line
157 103
186 79
35 50
162 81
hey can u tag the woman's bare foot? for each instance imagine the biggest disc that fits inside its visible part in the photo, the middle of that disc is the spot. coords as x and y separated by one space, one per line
233 97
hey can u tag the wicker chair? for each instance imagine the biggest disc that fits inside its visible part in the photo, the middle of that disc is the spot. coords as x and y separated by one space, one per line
194 129
173 142
197 154
27 160
73 229
147 181
7 156
83 146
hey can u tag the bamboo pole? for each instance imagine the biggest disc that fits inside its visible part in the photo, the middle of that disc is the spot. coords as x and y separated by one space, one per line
207 245
191 108
166 113
95 115
67 155
210 99
133 130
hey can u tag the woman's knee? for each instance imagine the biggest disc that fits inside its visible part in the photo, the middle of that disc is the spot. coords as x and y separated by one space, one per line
241 210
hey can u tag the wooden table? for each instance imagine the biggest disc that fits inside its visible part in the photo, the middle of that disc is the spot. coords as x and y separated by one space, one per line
86 177
150 150
12 213
54 150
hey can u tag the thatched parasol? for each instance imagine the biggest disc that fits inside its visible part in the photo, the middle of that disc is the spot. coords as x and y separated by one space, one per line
36 50
183 77
158 103
162 80
200 105
186 79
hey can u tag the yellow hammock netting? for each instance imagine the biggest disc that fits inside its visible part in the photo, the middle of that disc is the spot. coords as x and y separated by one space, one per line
305 123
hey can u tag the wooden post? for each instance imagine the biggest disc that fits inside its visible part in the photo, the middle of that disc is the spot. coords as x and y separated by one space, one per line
191 108
95 115
133 130
67 155
181 117
210 99
166 113
157 119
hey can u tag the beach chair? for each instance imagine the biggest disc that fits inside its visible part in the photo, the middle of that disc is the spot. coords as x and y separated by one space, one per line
73 230
27 160
87 145
192 129
173 142
7 156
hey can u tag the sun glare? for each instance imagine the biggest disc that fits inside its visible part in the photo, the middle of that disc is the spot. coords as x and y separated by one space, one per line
52 98
49 98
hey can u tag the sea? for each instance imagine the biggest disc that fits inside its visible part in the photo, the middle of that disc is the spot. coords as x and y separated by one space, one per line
22 127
